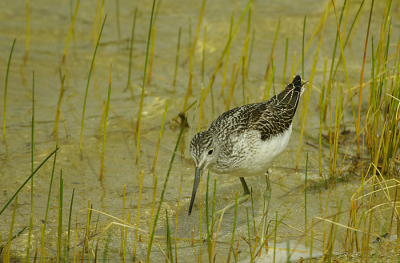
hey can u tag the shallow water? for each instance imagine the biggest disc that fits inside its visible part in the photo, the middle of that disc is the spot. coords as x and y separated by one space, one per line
49 25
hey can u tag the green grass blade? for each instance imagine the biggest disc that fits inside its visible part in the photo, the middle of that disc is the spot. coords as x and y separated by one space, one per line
233 229
177 55
362 78
251 51
5 90
305 201
60 210
159 136
69 221
285 65
88 82
302 47
248 233
169 243
118 25
209 244
105 125
130 51
71 31
143 85
213 206
47 206
32 154
275 233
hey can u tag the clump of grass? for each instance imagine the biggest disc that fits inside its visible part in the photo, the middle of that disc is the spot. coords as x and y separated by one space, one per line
382 116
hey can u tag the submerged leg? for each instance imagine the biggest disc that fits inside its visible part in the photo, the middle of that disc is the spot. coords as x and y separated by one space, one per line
267 197
242 199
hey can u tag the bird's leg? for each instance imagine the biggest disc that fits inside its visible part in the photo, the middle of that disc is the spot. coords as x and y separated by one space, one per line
267 197
242 199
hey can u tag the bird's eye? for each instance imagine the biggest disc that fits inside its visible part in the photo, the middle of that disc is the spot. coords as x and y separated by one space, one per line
210 151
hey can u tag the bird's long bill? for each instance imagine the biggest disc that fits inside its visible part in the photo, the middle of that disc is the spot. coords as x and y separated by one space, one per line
197 176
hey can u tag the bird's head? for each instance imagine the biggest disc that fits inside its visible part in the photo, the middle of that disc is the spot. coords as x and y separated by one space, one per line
204 148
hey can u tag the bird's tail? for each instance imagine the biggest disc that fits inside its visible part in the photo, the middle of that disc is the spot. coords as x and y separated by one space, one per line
291 94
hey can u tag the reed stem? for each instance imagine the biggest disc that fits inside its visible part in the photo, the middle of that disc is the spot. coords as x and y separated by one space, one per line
88 82
5 90
71 30
143 85
105 126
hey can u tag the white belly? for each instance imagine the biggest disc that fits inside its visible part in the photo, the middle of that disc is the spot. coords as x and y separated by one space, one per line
260 154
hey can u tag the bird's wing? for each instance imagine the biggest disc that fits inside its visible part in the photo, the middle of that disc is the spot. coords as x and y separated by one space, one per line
271 119
275 116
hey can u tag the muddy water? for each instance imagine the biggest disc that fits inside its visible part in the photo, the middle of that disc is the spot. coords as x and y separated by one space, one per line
49 25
